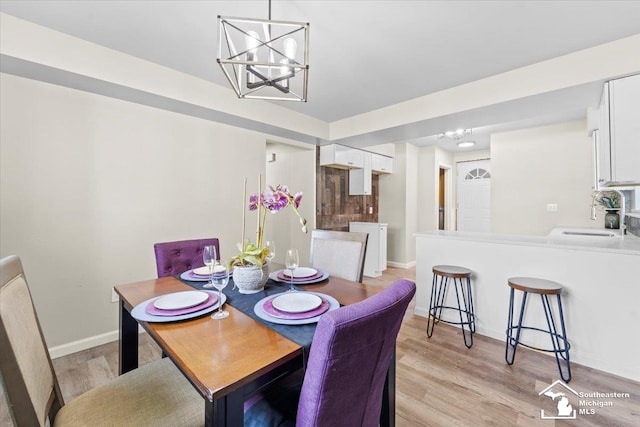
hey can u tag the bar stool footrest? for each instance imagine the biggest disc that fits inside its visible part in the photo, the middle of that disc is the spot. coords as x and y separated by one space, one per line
451 322
558 337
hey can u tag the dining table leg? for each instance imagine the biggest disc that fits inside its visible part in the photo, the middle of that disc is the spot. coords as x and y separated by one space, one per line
388 412
128 342
226 411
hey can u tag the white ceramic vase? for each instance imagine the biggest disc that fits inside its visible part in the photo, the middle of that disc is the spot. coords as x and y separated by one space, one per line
250 279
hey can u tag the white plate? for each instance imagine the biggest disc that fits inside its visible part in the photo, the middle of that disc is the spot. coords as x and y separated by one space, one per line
139 311
202 271
301 272
259 310
274 276
180 300
296 302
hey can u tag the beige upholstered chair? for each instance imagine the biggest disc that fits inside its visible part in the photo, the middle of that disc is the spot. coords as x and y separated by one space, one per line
339 253
156 394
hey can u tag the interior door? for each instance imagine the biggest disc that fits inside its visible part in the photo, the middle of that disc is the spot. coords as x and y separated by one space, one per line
474 196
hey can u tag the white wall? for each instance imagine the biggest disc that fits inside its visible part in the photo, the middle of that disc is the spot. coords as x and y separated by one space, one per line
430 159
398 205
412 214
384 149
392 199
89 184
531 168
295 168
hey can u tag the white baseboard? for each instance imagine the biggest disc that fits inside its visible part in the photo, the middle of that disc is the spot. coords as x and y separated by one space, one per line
401 265
86 343
422 312
83 344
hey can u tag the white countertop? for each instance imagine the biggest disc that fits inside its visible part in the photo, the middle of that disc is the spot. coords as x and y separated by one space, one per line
628 244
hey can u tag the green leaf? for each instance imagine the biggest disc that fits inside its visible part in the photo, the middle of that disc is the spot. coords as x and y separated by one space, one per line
254 260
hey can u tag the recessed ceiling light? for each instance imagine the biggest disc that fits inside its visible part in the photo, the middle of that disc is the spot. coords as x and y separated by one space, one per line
466 144
455 134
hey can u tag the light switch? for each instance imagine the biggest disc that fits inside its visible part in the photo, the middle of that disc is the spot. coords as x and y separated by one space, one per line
552 207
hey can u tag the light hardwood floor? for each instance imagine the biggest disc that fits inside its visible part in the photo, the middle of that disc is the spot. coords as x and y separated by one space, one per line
439 381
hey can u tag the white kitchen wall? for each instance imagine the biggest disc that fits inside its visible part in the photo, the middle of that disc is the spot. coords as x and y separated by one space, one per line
531 168
412 214
398 205
392 199
384 149
90 183
295 167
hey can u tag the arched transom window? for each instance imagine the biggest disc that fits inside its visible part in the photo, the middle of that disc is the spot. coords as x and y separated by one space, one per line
478 173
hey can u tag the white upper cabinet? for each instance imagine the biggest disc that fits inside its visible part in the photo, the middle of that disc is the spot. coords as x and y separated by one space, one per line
617 142
361 165
602 142
339 156
381 164
624 116
360 179
343 157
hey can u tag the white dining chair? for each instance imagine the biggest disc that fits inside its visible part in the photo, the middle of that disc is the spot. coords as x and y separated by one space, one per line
156 394
339 253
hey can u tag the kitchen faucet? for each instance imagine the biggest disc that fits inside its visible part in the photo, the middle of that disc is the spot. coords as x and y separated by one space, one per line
622 206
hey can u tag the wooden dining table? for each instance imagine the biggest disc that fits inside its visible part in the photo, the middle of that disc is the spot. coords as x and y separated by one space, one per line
228 360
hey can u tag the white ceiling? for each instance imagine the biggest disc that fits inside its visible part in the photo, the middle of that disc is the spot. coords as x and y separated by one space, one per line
364 55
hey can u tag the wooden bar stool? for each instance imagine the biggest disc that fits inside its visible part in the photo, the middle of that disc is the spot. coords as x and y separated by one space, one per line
559 340
460 276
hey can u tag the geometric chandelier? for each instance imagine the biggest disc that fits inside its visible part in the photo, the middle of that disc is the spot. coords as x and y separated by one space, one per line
265 59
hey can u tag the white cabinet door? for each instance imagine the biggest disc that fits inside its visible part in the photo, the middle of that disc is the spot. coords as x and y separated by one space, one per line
602 141
375 261
381 164
360 179
624 98
340 156
356 158
382 248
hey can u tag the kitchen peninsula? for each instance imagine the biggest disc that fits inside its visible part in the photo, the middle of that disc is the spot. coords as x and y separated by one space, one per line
600 275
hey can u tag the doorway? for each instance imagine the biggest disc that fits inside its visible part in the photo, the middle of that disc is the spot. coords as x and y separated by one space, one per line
474 196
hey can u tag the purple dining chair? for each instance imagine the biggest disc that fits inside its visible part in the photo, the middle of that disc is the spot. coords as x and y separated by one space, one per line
173 258
348 362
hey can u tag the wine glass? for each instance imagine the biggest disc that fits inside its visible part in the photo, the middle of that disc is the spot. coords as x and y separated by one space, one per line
292 262
272 249
271 245
209 256
219 279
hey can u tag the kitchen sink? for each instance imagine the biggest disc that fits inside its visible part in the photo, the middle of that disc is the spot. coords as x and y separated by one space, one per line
588 233
584 233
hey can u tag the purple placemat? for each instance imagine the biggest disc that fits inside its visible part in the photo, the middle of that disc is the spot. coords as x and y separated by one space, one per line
285 278
272 311
152 309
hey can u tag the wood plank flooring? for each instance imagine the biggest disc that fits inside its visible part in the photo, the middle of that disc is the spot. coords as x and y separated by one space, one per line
439 381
